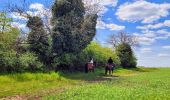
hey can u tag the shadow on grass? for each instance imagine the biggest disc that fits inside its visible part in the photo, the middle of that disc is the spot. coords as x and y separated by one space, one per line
98 75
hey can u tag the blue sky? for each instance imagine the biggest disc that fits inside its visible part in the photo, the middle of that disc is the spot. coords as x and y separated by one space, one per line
149 20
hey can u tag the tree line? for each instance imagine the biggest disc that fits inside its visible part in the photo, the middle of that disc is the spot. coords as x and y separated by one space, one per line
68 46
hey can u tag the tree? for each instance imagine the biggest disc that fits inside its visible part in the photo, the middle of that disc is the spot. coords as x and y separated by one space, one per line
4 22
123 43
123 37
7 54
38 38
126 55
73 30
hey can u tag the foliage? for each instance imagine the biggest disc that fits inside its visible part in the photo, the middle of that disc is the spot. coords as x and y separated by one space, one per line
29 62
38 39
139 85
72 29
4 22
7 54
9 62
77 61
7 39
10 59
126 56
100 54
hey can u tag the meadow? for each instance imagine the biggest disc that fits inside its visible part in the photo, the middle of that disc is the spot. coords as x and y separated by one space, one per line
124 84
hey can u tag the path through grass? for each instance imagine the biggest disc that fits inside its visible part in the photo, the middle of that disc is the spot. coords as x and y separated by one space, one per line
135 84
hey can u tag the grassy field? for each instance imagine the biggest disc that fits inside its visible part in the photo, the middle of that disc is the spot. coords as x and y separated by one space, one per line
135 84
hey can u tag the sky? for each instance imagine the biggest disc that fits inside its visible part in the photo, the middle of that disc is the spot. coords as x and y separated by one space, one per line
149 20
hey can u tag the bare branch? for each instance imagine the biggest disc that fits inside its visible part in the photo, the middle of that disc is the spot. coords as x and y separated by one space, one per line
122 37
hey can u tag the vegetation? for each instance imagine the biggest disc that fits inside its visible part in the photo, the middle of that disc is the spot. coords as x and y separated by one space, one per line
38 39
12 58
100 54
30 67
123 42
134 84
126 55
72 31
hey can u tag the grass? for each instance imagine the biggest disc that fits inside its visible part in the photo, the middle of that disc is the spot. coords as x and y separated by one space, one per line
135 84
31 83
125 84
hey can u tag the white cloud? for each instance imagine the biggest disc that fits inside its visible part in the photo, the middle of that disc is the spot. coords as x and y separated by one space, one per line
146 50
115 27
110 26
100 25
36 6
99 6
146 40
146 37
166 23
39 10
18 25
163 55
142 11
112 3
35 9
16 15
166 47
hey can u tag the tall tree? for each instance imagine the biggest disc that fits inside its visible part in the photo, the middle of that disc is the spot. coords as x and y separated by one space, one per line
73 30
38 38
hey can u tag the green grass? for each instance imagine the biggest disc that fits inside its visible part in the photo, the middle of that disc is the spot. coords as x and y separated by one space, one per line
125 84
31 83
135 84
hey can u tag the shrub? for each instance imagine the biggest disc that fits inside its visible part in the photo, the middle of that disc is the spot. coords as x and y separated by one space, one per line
8 61
100 54
126 56
25 62
30 62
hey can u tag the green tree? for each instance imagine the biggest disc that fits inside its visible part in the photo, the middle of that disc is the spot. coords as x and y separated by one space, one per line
100 54
4 22
73 30
8 57
126 56
38 39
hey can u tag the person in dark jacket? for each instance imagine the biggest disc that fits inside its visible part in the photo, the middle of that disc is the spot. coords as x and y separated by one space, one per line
109 66
110 61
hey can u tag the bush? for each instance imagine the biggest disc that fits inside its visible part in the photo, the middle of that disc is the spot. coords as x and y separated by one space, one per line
8 61
30 62
126 56
25 62
100 54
